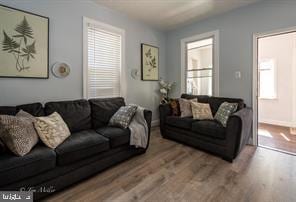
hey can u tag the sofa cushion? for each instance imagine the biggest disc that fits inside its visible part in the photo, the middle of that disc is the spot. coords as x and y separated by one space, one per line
13 168
180 122
76 114
2 147
215 102
8 110
34 109
116 136
81 145
102 109
210 128
200 98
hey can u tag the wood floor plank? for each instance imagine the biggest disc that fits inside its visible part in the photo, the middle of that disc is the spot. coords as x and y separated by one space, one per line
170 171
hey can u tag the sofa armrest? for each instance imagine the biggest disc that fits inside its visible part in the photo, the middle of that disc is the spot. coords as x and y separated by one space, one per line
148 118
164 111
238 131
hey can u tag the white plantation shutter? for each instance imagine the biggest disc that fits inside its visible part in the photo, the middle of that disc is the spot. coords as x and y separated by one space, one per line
103 62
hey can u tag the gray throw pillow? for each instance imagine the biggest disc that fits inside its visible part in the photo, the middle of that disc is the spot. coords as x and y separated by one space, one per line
185 106
123 116
18 133
224 111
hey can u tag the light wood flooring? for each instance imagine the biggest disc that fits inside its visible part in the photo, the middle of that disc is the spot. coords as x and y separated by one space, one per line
277 137
170 171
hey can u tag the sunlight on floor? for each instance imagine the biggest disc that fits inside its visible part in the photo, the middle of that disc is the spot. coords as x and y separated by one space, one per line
264 133
284 136
276 137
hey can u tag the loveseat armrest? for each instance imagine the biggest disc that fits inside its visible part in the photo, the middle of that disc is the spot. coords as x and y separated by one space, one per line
148 118
238 131
164 111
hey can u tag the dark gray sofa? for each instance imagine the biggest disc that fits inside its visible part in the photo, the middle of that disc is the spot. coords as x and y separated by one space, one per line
92 147
209 135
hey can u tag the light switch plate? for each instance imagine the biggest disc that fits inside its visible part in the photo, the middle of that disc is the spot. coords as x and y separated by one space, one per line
238 75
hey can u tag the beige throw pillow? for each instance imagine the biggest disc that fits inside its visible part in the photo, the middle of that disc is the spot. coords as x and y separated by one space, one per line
185 106
18 133
52 130
201 111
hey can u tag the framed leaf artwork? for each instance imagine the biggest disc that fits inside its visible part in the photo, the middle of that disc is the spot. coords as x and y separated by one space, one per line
150 62
23 44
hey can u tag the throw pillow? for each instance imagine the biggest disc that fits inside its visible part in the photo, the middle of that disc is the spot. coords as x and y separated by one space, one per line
185 106
18 133
123 116
24 114
224 111
21 113
175 106
201 111
52 130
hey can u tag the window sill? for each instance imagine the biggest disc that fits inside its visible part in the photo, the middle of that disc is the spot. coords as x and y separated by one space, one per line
267 98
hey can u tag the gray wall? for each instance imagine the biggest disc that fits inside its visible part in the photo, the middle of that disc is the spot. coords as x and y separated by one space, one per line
236 32
66 46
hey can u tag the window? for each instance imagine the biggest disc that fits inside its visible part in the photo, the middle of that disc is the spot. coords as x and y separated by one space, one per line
199 71
267 83
200 64
103 60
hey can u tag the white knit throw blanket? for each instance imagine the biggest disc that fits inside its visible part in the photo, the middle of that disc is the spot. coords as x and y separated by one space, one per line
139 129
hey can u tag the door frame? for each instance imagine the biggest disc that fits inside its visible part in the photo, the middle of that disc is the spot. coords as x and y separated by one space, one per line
184 41
256 37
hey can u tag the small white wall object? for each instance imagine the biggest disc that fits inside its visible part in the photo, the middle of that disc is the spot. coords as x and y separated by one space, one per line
238 75
135 74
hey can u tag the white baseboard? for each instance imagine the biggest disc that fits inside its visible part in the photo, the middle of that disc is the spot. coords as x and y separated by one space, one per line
155 123
278 123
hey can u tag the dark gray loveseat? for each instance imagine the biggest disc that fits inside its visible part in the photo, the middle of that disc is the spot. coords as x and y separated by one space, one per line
92 147
209 135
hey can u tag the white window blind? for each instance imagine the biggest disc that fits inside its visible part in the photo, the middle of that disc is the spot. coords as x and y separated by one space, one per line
103 62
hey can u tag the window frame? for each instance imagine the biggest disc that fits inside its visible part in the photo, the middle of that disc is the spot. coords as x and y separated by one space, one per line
108 28
215 76
274 78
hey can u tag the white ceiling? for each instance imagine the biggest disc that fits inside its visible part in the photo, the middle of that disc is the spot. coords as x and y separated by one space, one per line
171 14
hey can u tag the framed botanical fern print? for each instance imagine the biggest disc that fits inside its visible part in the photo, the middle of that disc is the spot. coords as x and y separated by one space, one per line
23 44
150 62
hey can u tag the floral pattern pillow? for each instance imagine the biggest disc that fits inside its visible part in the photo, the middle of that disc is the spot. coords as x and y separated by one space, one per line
224 111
